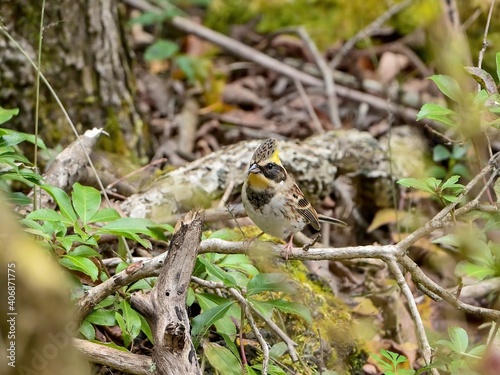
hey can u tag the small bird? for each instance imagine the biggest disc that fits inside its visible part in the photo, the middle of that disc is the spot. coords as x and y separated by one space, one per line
273 200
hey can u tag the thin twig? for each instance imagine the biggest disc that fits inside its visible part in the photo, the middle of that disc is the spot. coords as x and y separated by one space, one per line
225 197
485 37
412 306
262 342
326 72
368 31
219 285
421 279
314 117
37 104
153 163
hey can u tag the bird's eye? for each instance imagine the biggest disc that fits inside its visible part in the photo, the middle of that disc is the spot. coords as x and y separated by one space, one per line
269 166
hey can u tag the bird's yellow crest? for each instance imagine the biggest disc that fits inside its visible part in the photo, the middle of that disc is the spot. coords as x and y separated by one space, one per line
275 157
268 150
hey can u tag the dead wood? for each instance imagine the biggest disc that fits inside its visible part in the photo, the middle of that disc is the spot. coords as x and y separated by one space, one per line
314 163
70 165
165 307
117 359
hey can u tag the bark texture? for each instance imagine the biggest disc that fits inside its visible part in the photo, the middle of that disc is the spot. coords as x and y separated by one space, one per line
86 60
165 307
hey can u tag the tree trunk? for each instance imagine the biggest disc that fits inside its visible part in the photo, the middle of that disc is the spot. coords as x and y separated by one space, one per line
85 58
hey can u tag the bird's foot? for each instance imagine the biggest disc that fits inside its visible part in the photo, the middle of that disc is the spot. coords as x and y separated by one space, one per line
311 243
287 249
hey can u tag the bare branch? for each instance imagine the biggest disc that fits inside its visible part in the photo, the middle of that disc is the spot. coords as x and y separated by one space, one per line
165 306
326 72
405 289
114 358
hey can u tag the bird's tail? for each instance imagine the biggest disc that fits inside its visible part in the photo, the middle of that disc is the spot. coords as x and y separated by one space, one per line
331 220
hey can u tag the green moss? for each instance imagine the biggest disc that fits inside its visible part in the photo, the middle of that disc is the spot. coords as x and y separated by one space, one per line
115 142
327 21
331 322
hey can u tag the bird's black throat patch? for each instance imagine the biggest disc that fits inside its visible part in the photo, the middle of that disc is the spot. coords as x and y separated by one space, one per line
259 198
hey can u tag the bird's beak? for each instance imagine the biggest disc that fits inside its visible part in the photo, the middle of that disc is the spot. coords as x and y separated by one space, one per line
254 168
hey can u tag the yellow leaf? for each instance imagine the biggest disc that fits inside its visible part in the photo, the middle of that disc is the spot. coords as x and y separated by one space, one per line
385 216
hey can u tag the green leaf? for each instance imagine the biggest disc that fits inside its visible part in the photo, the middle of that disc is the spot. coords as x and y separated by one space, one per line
10 137
448 86
146 329
62 200
420 184
269 282
458 152
239 262
222 359
105 215
217 272
431 110
440 153
228 234
102 317
130 228
278 349
292 308
459 339
225 324
86 201
7 114
188 66
201 323
18 199
84 251
264 308
160 50
45 214
449 198
137 225
478 351
395 358
143 284
476 271
190 296
153 17
275 370
81 264
229 341
451 183
132 319
147 19
250 371
108 301
87 330
127 338
110 345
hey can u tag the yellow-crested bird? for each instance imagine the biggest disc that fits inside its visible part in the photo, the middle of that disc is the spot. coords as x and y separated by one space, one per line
273 200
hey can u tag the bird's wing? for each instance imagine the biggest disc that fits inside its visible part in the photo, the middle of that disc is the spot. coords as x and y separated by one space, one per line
303 207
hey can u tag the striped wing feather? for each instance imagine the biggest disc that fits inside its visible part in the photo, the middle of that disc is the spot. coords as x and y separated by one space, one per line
304 208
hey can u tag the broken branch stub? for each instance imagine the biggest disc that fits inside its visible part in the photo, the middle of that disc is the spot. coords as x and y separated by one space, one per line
165 306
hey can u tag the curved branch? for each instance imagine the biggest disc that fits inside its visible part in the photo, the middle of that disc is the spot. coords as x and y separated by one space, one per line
117 359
